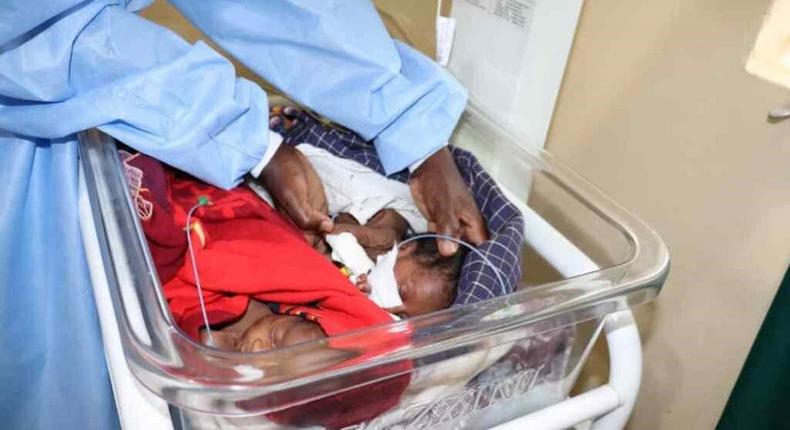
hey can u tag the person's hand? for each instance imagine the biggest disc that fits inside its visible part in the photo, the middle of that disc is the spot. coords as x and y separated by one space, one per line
443 198
297 191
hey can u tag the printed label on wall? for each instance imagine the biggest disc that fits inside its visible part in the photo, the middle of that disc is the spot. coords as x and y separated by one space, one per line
518 12
482 4
500 56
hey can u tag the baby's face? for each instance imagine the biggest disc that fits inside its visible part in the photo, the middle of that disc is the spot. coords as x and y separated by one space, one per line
274 331
277 331
422 290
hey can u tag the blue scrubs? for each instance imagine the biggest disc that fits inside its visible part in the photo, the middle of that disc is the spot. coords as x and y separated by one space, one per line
68 65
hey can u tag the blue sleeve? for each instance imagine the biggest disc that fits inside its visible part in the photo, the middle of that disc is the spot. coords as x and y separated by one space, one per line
336 57
96 64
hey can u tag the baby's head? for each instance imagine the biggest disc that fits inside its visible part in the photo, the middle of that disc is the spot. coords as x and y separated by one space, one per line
275 331
426 279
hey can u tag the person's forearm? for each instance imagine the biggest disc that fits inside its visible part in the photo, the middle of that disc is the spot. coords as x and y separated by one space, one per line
106 67
336 57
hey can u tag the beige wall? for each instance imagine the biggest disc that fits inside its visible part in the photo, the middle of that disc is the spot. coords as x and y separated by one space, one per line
657 110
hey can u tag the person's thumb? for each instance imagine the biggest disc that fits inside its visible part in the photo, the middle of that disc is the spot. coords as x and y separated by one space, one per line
312 220
474 229
322 222
291 204
302 215
448 225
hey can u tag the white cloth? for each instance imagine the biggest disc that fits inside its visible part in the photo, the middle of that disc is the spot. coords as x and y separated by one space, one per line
359 191
275 140
383 286
347 251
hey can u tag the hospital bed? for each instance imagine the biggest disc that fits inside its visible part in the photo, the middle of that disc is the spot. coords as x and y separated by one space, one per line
587 262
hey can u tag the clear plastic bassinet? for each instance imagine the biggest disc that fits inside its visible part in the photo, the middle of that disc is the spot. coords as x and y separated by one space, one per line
474 366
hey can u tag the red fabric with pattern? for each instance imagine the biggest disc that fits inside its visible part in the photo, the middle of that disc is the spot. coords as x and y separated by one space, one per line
244 249
166 241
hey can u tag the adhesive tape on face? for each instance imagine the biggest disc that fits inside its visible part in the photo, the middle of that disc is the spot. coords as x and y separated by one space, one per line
384 287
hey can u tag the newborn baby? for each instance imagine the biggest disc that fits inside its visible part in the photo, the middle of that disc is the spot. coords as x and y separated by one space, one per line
376 212
425 279
413 279
260 329
426 283
410 280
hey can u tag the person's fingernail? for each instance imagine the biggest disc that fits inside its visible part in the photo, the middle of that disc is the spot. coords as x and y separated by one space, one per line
447 247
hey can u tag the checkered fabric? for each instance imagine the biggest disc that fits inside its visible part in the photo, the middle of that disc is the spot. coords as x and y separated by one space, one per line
478 279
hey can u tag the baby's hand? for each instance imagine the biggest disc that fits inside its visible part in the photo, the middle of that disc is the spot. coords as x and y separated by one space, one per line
375 240
362 284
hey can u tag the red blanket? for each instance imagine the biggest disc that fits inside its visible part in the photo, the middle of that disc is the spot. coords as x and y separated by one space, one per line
244 250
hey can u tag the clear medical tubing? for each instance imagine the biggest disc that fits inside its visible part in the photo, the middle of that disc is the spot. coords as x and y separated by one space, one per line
202 202
497 272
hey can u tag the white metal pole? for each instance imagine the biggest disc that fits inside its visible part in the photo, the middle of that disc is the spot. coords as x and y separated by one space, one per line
625 367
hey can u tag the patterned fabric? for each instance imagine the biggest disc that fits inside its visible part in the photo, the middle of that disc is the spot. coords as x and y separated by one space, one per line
478 280
134 178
